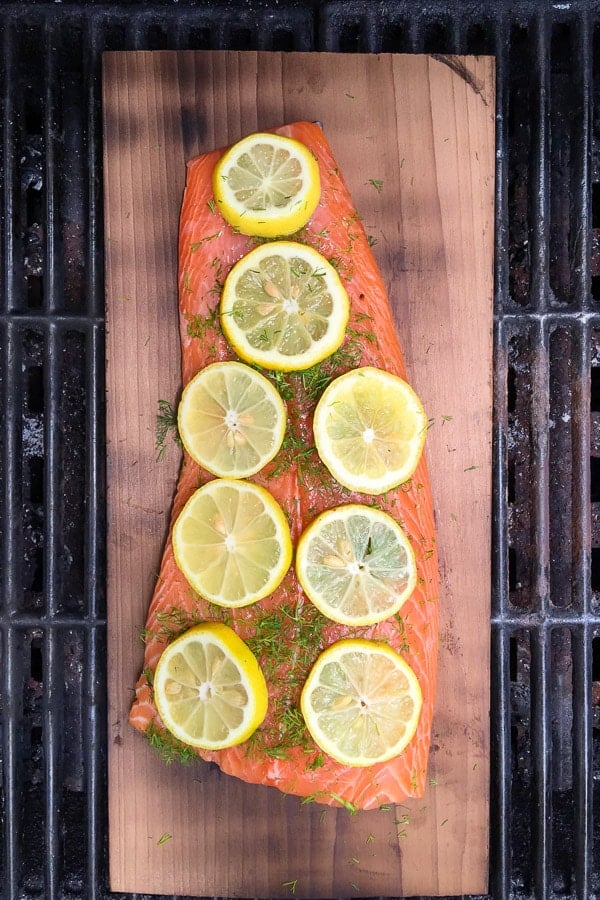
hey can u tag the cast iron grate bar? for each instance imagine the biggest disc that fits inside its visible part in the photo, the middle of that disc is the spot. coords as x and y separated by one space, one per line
546 583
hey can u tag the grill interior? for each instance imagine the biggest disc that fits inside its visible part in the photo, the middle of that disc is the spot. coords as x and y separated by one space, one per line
545 629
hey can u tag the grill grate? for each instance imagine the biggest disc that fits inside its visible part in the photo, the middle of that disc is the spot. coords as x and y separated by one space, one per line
546 588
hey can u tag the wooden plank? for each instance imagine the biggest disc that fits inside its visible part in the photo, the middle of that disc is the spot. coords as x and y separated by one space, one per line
425 128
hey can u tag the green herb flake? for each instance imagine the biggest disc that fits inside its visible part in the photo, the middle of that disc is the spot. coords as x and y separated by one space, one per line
166 423
377 184
199 325
168 747
163 840
209 237
350 807
290 885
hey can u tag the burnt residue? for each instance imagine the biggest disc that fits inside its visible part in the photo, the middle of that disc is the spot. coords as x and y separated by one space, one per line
460 67
547 415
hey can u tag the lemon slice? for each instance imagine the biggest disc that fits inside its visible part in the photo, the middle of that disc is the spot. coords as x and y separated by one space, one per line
356 565
370 428
231 419
284 307
267 185
361 702
232 542
209 689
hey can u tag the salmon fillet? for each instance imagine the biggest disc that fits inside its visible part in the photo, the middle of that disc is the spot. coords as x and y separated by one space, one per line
285 630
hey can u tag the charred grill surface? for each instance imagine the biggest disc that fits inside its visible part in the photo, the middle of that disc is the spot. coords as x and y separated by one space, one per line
545 628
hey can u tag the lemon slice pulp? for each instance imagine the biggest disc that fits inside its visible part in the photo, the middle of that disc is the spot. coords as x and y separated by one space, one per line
267 185
361 702
370 428
284 307
356 565
231 419
209 689
232 542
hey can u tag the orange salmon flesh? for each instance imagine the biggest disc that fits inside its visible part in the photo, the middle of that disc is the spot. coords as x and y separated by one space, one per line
285 631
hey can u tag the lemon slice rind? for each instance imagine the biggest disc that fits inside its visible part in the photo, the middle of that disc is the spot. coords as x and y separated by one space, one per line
232 542
356 565
267 185
230 701
231 419
284 307
361 702
370 429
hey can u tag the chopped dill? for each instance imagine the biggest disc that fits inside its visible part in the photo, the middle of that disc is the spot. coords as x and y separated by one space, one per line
209 237
291 885
168 747
350 807
166 422
377 184
287 638
149 675
211 205
198 325
371 241
279 380
292 722
174 622
164 838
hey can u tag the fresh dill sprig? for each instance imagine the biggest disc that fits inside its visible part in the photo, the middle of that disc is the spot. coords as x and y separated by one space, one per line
294 726
317 762
279 380
315 379
168 747
198 325
166 422
174 622
350 807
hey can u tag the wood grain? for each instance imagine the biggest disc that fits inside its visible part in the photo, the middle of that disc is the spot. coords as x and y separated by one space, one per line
425 128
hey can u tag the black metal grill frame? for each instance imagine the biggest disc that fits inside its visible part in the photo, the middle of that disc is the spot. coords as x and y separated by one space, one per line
545 628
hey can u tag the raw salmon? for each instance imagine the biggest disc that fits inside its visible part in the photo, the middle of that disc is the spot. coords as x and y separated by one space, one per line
285 631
